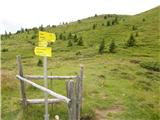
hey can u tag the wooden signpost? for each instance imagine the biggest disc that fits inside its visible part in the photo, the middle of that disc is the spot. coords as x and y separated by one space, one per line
43 50
74 84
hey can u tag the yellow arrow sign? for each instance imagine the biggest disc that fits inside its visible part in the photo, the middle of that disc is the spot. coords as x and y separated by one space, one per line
43 51
45 36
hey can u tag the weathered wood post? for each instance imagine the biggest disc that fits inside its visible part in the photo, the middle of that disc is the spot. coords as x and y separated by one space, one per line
67 88
22 84
70 94
79 90
46 116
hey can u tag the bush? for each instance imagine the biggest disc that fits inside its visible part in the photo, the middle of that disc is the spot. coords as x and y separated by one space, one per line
112 47
116 20
134 27
34 36
131 41
112 22
105 17
78 53
102 47
79 21
143 19
4 50
22 30
136 34
61 36
94 26
155 66
40 63
108 23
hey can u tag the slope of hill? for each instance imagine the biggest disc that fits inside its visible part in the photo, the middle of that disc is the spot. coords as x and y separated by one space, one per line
118 86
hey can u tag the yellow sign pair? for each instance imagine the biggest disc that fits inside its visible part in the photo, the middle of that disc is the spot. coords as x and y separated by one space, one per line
44 38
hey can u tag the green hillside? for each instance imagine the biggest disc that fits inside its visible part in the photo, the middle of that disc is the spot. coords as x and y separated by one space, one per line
123 85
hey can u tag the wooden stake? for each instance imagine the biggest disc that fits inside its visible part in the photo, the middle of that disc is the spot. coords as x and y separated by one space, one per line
71 104
22 84
79 90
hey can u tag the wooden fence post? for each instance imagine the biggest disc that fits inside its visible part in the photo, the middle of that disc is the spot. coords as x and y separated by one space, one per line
71 104
81 84
22 84
67 88
79 90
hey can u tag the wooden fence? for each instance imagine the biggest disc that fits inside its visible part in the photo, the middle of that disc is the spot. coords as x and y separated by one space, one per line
73 98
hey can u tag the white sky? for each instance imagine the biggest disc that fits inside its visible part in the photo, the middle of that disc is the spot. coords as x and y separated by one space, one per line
15 14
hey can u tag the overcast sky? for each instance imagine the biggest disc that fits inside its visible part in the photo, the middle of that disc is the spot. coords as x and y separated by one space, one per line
15 14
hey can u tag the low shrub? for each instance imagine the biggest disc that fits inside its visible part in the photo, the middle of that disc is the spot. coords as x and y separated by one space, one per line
155 66
5 50
40 63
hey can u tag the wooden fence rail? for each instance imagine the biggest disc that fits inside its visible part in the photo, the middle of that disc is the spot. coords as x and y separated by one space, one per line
54 94
41 101
74 96
38 77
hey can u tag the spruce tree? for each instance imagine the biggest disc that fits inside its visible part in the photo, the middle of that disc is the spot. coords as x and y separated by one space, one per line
40 63
95 15
136 34
70 35
131 41
61 36
134 27
108 23
41 28
70 43
102 47
112 47
75 38
80 42
116 20
6 33
94 26
22 30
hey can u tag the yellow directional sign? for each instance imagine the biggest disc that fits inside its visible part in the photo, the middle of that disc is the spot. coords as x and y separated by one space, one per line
45 36
43 51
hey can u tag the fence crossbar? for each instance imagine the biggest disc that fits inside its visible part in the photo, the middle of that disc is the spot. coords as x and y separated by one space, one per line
58 96
41 101
49 77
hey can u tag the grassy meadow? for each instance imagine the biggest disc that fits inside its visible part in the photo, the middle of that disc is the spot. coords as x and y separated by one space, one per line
123 85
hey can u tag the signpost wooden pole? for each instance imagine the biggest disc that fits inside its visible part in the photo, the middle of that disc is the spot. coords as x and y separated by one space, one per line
43 50
46 86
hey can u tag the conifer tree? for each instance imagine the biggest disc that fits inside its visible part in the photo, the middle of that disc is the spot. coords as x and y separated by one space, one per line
131 41
70 43
75 38
112 47
108 23
40 63
102 47
94 26
80 42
